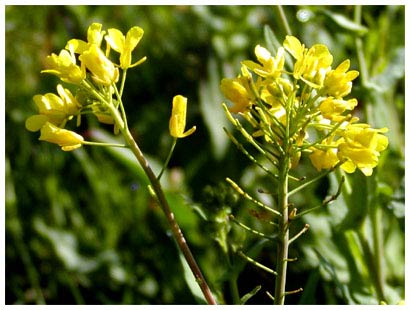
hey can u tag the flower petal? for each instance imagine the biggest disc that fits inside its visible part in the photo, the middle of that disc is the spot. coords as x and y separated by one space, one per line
35 122
115 39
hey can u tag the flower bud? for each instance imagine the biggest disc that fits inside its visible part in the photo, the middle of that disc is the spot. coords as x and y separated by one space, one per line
178 118
68 140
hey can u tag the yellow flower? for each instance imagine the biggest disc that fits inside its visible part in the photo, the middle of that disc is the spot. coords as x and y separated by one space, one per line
324 159
103 116
68 140
332 108
294 47
64 66
237 91
94 36
125 44
360 147
311 64
338 82
178 118
103 70
54 109
269 66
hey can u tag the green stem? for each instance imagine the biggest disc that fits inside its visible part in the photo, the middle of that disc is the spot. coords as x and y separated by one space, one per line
375 258
284 20
375 220
283 237
124 76
171 151
283 203
364 73
233 285
176 231
103 144
374 272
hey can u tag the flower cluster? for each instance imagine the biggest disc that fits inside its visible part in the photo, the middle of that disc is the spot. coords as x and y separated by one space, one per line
93 74
87 65
304 109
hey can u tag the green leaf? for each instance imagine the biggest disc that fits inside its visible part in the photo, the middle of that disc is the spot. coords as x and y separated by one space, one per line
272 42
356 197
344 23
210 100
329 268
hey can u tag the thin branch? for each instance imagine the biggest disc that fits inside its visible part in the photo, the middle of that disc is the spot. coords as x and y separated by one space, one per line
318 177
325 202
253 231
247 154
300 233
250 198
256 264
284 20
294 291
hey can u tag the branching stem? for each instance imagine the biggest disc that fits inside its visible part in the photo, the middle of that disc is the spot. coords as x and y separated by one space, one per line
176 231
156 186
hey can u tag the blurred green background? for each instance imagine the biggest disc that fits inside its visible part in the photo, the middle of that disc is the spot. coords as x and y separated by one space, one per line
81 227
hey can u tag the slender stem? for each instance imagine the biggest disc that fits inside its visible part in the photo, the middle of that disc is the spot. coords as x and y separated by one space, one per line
124 76
103 144
233 285
171 151
283 238
119 95
283 203
179 237
176 231
156 185
284 20
375 258
375 220
373 270
364 73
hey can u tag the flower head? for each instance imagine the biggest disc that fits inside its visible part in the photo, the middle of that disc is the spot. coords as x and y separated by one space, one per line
124 44
94 36
311 64
178 118
65 67
269 66
103 70
324 158
285 107
360 148
237 91
332 108
54 109
68 140
338 82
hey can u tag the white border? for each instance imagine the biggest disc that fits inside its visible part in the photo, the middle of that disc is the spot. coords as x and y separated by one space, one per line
199 2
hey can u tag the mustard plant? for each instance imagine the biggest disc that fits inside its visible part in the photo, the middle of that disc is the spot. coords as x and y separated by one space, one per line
285 105
98 78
